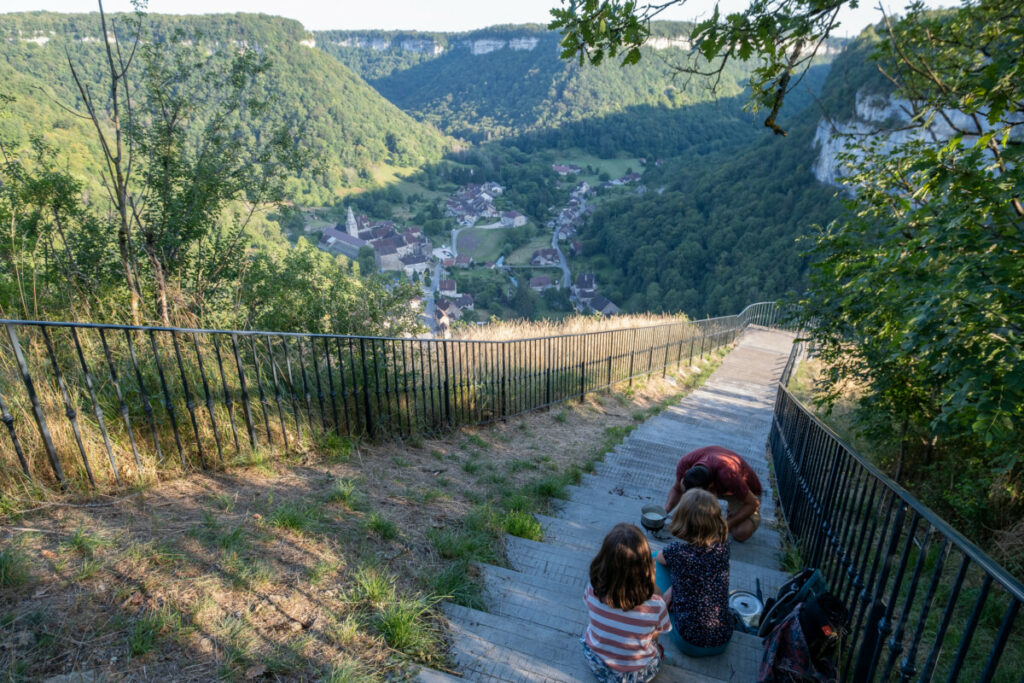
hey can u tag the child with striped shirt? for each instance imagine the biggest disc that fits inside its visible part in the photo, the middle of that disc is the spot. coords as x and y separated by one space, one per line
626 610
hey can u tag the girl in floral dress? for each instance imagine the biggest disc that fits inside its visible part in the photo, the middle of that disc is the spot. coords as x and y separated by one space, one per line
698 566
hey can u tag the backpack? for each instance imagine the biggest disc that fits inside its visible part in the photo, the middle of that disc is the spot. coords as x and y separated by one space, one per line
806 584
803 627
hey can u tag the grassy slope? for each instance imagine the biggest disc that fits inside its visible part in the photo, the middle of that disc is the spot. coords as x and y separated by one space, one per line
349 125
312 566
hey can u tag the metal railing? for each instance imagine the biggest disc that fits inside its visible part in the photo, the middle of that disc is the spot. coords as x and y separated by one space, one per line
86 402
925 603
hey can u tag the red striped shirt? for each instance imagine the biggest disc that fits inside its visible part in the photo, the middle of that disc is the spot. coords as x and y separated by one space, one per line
626 641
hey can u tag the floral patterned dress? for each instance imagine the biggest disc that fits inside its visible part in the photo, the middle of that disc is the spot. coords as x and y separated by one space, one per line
700 592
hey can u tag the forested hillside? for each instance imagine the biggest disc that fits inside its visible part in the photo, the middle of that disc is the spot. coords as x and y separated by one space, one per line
349 128
505 81
718 225
139 172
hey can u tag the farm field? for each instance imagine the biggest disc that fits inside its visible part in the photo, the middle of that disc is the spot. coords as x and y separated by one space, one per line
614 167
522 255
482 245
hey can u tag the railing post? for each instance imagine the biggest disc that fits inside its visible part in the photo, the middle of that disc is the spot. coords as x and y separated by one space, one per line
37 408
583 375
120 401
190 404
259 386
229 402
69 409
547 388
208 395
8 419
632 356
97 410
504 376
330 384
447 385
366 388
245 391
146 407
168 401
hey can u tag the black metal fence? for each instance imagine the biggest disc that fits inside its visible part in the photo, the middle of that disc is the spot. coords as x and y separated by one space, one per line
926 604
92 404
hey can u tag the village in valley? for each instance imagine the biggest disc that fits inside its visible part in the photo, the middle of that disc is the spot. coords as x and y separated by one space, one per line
492 255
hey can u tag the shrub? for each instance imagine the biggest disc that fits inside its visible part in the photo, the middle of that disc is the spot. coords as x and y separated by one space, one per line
14 570
406 628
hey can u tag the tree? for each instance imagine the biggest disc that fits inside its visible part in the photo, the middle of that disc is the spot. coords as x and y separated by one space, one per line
367 259
56 251
525 300
916 294
303 289
194 157
172 127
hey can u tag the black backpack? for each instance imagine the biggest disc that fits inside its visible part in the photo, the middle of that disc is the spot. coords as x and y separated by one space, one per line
803 628
807 584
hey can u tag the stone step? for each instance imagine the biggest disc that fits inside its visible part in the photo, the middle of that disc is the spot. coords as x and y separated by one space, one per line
630 472
571 566
490 647
588 536
493 647
426 675
638 495
587 505
531 598
520 596
536 612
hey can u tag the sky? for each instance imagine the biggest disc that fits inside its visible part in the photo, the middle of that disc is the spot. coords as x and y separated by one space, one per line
423 15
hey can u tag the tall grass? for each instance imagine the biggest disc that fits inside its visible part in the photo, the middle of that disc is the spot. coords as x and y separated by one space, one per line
127 407
513 330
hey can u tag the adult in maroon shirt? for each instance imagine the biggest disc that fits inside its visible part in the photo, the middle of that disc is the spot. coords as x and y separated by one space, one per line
729 477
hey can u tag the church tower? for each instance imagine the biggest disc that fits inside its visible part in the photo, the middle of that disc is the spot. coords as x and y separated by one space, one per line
351 226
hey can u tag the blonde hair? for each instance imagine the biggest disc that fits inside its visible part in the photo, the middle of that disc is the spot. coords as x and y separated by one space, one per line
622 573
698 519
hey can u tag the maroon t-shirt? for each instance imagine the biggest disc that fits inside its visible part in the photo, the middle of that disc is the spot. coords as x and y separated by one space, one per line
731 474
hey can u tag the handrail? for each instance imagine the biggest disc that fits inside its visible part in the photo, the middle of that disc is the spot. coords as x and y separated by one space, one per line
864 531
246 333
175 390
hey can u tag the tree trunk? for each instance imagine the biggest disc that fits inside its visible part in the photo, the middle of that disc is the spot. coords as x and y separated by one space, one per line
159 281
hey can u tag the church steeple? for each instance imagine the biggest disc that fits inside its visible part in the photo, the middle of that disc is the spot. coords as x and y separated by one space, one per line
351 226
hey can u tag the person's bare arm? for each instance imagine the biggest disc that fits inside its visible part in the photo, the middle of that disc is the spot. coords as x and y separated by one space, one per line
674 494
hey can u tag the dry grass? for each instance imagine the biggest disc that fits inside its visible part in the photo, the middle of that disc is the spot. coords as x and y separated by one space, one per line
514 330
288 387
318 565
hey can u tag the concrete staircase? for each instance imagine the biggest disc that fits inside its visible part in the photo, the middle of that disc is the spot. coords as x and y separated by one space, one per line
535 609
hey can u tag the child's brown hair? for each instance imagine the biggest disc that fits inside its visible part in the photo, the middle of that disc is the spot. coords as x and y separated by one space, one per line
622 573
698 519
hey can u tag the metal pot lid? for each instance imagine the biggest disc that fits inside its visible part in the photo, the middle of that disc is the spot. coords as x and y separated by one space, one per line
745 603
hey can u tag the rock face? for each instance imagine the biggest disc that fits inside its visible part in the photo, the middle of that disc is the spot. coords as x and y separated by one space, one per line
884 119
480 45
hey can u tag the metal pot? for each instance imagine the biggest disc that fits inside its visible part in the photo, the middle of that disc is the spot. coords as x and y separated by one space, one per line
653 517
748 606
